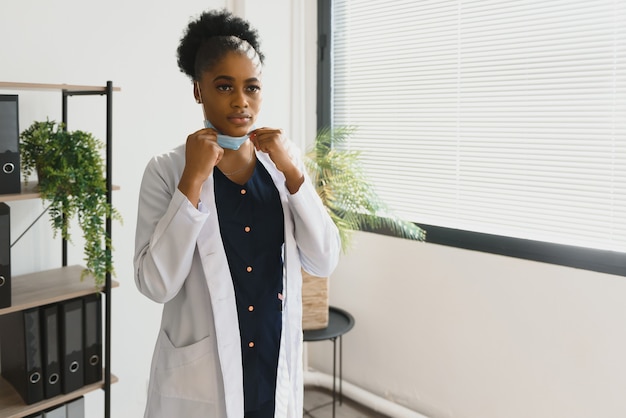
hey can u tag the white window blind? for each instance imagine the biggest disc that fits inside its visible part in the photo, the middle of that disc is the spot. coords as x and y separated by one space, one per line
501 117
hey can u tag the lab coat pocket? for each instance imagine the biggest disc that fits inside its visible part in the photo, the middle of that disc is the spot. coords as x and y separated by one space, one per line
185 378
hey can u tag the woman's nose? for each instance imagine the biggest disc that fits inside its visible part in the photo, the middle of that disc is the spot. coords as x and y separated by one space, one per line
239 100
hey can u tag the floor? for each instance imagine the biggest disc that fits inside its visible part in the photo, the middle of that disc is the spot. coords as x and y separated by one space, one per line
318 403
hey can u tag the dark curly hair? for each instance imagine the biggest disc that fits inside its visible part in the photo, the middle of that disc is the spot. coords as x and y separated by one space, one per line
211 36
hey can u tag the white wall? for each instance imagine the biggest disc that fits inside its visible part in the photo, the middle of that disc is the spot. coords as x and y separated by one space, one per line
448 332
456 333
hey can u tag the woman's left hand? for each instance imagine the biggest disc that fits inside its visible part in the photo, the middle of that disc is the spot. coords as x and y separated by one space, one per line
271 142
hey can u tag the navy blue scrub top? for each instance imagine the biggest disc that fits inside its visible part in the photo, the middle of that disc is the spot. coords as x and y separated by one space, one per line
252 228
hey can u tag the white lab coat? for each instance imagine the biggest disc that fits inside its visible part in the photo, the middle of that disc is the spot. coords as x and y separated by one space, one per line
180 261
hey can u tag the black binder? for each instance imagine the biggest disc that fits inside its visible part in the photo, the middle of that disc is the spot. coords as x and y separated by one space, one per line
92 337
9 145
50 351
21 353
5 255
71 343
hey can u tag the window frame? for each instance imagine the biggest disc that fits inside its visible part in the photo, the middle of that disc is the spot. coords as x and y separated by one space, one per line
602 261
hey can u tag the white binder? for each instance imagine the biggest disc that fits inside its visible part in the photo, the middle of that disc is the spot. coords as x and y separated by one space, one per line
58 412
75 408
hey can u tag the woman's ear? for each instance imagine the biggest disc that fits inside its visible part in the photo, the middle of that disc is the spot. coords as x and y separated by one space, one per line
196 92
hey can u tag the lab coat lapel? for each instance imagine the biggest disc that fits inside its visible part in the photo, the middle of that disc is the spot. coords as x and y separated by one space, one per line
222 295
285 396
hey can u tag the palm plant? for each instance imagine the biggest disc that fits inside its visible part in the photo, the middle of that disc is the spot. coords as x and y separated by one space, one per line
342 184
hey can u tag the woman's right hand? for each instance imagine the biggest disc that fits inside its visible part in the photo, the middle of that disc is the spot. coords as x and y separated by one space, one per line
202 154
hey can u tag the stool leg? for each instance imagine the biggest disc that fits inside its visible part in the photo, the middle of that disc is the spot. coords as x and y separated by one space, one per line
334 373
340 371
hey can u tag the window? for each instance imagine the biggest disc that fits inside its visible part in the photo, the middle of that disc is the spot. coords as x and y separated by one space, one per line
497 126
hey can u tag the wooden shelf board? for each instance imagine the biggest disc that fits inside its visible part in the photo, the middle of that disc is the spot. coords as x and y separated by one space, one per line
44 86
49 286
29 191
12 405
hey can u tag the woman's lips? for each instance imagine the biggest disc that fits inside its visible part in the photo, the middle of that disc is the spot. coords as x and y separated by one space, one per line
240 119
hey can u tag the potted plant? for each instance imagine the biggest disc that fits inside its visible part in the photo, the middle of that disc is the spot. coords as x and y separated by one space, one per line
70 170
353 205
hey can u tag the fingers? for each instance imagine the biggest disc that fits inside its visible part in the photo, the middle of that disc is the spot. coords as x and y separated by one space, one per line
267 140
202 153
272 142
203 145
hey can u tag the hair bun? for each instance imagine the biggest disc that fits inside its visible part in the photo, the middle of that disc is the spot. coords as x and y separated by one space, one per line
210 24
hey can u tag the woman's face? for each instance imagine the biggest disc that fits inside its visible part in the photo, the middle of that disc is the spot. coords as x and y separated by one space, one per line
231 94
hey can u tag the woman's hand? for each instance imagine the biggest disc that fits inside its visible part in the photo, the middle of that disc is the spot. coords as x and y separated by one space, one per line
201 154
271 142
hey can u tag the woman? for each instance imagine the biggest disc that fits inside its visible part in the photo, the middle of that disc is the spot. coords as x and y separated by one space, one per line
225 224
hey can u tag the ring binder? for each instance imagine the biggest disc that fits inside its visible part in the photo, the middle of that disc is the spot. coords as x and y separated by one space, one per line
76 408
50 349
9 145
21 355
92 315
56 412
71 343
5 255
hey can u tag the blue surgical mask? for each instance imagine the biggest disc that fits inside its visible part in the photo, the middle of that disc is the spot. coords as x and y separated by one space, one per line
225 141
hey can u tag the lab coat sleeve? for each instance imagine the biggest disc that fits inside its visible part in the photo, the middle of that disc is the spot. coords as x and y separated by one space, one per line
316 235
167 229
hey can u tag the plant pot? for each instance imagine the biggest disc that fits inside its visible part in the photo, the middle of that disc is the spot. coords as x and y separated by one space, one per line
314 302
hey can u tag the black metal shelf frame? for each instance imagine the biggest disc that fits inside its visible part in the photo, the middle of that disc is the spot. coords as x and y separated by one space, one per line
108 92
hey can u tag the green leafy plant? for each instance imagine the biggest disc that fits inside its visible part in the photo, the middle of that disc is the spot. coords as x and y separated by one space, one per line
349 197
71 176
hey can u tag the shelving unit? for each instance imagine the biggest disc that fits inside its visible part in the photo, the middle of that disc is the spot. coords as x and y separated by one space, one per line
55 285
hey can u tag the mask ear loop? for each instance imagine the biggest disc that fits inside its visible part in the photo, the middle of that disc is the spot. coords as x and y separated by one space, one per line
197 86
199 99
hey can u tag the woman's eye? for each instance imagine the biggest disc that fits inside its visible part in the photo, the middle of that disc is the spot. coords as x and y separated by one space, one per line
224 87
254 89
